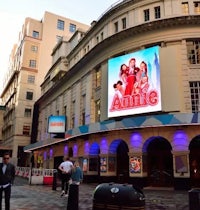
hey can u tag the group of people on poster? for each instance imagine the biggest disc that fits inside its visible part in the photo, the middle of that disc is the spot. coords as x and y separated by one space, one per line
133 79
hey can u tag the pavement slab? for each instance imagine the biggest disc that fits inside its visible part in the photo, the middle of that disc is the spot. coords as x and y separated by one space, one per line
42 197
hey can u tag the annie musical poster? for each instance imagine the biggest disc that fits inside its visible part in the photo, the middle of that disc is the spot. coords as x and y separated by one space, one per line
134 83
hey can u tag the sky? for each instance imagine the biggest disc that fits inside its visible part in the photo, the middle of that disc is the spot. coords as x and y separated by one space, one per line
14 12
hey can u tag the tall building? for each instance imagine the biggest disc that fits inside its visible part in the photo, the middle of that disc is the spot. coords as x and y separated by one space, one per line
30 60
128 102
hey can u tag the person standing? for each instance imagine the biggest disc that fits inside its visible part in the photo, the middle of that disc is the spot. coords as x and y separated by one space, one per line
7 175
76 179
77 174
66 168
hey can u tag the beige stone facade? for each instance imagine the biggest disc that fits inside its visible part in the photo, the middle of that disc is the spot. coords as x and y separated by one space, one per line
164 145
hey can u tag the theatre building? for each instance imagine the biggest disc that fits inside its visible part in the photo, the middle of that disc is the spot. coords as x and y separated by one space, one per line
125 99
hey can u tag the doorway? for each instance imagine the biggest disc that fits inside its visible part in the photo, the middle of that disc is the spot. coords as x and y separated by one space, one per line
195 162
120 148
159 163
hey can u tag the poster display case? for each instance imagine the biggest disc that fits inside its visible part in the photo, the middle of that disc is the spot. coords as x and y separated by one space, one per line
103 164
135 165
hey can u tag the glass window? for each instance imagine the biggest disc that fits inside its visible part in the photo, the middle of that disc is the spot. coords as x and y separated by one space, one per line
116 27
35 34
146 15
27 112
26 130
32 63
73 113
194 94
58 38
197 7
185 8
29 95
98 77
101 36
193 51
123 23
72 27
97 111
60 25
31 79
97 39
34 48
157 12
83 118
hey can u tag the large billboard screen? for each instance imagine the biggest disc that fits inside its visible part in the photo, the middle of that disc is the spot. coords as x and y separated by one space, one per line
134 83
57 124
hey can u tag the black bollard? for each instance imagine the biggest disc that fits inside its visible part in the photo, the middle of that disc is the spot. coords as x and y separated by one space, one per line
194 199
54 186
73 198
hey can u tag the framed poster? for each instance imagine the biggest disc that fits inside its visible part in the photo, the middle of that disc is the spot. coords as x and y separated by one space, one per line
85 164
111 164
181 164
103 164
135 164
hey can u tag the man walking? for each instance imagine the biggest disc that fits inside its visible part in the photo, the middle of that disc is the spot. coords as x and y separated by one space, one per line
7 175
65 168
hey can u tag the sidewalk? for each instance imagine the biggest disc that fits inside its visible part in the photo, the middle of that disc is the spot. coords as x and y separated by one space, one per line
40 197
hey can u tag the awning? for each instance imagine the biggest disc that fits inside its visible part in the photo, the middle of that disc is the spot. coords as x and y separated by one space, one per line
125 123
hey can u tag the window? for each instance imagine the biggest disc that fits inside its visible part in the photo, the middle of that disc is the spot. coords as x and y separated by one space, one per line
193 51
195 96
83 117
72 28
31 79
60 25
123 23
197 7
185 8
73 108
98 77
26 130
32 63
58 38
101 36
34 48
27 112
97 110
35 34
146 15
83 107
157 12
116 27
29 95
97 39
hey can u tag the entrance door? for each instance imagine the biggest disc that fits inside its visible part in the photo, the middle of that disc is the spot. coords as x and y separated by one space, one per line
122 162
195 162
159 163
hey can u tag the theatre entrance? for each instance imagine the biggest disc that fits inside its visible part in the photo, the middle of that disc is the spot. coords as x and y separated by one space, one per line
159 163
195 162
121 150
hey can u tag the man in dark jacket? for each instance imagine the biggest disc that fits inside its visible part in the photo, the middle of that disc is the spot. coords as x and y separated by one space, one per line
7 175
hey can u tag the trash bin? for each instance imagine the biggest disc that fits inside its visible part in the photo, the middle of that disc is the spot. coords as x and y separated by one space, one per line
194 199
109 196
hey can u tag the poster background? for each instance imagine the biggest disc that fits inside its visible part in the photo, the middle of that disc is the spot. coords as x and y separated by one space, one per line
151 57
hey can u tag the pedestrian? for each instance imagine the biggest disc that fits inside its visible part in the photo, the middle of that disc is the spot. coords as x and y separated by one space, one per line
7 175
76 179
77 174
66 168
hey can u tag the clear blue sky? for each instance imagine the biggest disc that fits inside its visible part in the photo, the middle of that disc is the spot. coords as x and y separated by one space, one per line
14 12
